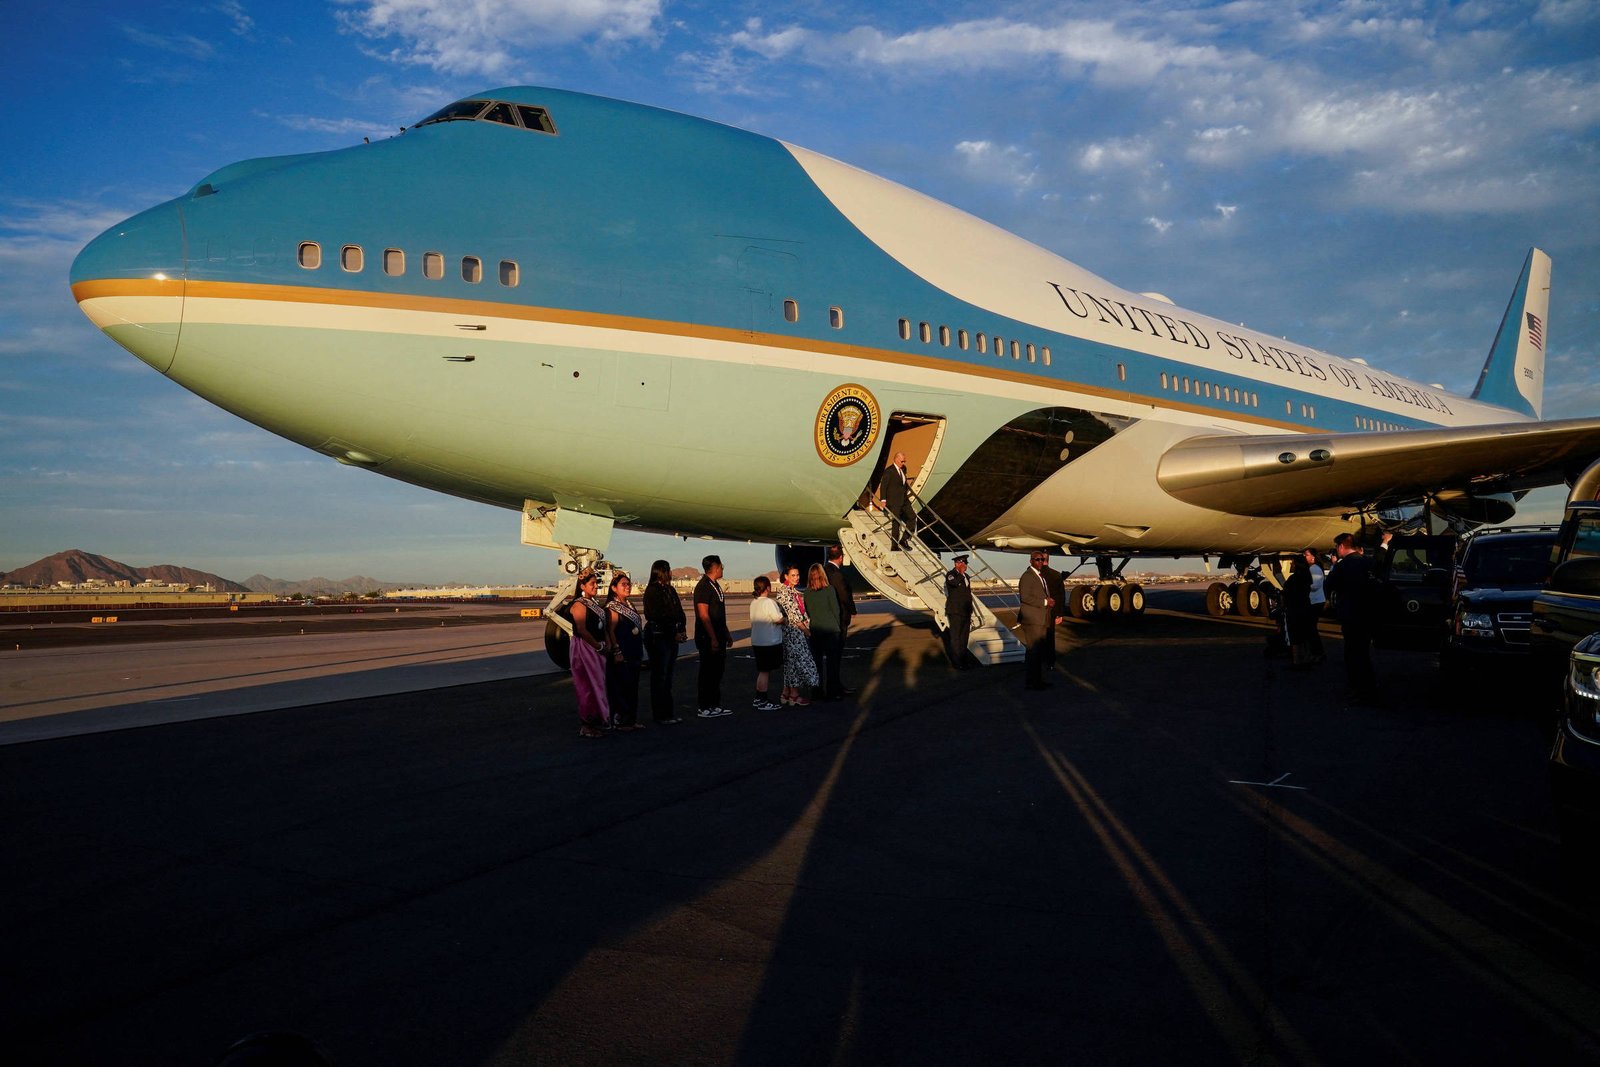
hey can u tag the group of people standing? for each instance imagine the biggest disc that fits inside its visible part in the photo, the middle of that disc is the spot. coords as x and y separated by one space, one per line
798 631
1354 587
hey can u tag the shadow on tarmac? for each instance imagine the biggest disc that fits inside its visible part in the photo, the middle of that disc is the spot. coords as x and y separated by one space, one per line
1182 851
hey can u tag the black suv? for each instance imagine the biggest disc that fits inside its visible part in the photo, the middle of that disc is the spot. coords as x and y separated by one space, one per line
1498 572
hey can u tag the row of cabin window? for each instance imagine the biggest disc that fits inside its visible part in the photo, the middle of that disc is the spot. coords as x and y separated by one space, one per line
1180 384
1364 423
352 260
965 342
791 313
1307 411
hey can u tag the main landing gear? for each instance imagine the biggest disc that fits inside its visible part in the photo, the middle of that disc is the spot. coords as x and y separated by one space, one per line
1108 597
1249 595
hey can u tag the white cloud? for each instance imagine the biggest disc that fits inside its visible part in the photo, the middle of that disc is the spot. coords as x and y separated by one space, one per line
1118 153
1158 225
182 44
1393 107
340 127
1566 14
38 241
486 36
1219 145
1107 52
773 45
1009 165
243 24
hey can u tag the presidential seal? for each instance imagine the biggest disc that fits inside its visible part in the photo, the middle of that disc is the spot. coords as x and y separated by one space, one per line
847 425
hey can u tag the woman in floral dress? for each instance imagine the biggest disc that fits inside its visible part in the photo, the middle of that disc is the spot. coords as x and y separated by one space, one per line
799 669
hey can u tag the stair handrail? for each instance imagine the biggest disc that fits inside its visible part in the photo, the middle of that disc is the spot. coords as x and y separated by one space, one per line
1006 591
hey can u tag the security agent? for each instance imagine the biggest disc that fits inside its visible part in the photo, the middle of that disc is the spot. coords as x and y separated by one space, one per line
1038 617
958 612
1354 589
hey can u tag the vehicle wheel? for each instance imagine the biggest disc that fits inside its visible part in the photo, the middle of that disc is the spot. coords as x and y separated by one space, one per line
1133 600
1247 599
1108 600
558 643
1219 600
1081 601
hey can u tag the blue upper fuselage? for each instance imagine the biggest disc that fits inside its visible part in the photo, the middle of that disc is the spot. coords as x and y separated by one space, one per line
628 210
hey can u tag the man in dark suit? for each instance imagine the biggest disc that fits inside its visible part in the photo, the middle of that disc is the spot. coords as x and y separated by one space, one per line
834 568
1038 618
958 612
1354 590
1057 583
895 488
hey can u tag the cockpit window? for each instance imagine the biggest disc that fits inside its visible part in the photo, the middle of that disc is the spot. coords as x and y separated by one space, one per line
461 109
506 114
499 113
535 118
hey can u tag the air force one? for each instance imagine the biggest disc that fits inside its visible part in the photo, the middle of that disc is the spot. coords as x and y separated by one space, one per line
605 314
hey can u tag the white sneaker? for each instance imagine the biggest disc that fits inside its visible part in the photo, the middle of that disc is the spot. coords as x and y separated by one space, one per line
709 713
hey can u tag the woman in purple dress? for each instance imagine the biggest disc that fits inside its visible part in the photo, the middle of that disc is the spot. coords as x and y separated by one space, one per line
588 657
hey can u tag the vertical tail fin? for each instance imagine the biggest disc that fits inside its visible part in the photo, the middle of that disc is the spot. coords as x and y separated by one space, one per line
1513 375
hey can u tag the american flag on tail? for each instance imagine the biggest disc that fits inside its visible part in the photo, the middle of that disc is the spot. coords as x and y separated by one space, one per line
1535 331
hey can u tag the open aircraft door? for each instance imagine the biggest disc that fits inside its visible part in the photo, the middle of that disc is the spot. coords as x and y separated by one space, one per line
919 437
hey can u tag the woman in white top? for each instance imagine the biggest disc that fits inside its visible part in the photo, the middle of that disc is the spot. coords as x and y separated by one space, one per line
766 640
1319 603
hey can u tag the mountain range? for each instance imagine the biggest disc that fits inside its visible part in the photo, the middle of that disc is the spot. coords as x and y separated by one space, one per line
77 566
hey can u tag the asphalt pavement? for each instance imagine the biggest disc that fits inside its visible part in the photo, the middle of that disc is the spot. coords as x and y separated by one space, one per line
1182 852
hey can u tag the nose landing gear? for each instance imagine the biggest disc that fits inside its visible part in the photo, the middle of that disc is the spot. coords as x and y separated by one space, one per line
557 628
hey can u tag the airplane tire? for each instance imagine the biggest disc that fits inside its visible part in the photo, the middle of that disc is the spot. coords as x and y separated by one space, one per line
558 643
1219 600
1248 600
1133 600
1081 601
1108 601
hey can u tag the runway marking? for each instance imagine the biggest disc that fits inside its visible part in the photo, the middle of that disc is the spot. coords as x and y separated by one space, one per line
1276 783
1249 1022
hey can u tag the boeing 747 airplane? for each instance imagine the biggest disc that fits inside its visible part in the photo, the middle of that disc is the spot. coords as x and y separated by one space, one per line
604 314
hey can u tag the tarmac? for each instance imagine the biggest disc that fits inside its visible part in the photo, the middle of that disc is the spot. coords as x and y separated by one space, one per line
1182 852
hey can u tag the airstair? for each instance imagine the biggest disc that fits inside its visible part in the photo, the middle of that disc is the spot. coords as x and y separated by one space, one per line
913 577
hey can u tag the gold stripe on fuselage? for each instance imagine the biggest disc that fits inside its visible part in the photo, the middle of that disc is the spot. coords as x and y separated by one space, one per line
203 290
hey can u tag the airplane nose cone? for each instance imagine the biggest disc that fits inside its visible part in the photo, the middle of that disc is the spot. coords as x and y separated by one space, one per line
129 281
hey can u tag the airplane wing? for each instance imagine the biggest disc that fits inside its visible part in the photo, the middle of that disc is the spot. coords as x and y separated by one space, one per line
1287 474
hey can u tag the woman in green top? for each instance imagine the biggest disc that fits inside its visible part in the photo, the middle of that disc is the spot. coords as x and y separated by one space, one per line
827 631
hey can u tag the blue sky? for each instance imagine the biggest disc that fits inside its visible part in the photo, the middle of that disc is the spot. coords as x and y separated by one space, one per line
1362 177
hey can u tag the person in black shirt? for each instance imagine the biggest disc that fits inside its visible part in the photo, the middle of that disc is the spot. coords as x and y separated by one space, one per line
664 632
711 637
834 568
